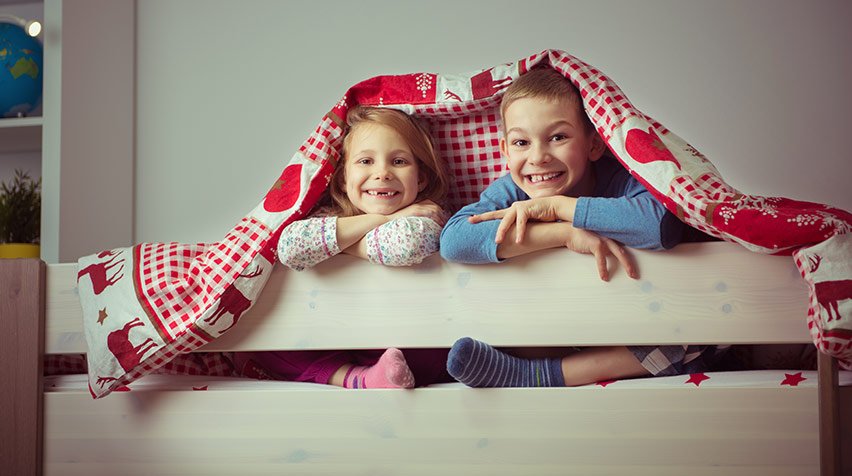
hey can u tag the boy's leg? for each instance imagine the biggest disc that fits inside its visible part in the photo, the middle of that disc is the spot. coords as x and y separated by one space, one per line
477 364
666 360
598 364
390 371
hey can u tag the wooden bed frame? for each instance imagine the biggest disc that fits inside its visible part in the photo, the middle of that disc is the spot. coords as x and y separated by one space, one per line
697 293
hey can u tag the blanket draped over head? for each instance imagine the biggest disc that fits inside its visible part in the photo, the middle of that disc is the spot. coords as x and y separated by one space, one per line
146 304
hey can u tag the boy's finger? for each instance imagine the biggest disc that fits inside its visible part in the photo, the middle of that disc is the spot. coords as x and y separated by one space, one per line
520 227
492 215
626 260
504 225
600 257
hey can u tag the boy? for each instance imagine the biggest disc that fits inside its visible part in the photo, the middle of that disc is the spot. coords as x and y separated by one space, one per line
561 191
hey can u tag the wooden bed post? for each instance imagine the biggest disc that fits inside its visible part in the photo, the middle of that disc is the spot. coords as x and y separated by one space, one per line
21 364
829 416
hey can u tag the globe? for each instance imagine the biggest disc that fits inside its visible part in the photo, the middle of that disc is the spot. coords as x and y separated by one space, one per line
20 71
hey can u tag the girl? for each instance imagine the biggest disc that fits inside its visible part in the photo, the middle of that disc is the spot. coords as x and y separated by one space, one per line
384 209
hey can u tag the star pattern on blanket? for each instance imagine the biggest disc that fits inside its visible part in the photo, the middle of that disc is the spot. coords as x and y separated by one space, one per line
697 379
102 315
793 380
604 383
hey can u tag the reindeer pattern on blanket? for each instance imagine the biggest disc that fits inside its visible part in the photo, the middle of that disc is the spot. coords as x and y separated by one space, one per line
178 291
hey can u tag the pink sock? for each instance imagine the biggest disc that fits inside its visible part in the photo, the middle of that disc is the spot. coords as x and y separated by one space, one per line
391 371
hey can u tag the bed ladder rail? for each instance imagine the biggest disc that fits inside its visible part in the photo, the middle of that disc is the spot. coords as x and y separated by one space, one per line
22 307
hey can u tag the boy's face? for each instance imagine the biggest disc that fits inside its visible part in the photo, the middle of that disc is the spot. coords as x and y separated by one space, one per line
548 149
381 174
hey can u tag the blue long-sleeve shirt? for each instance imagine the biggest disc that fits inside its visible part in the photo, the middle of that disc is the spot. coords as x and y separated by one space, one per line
621 209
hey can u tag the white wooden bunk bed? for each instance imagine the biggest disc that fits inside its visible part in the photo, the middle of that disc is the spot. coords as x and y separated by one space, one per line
697 293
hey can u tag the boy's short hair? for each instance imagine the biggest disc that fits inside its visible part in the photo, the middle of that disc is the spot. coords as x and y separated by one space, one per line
544 82
417 138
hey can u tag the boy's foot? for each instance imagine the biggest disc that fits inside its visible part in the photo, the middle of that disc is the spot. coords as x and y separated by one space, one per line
391 371
477 364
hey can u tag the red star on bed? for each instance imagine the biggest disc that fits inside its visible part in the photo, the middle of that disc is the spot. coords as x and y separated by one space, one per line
203 387
793 380
604 383
697 379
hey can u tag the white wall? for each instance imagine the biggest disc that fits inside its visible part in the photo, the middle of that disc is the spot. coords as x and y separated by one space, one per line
227 90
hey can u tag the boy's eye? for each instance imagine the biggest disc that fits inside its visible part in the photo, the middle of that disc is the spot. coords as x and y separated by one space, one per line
520 142
558 137
364 161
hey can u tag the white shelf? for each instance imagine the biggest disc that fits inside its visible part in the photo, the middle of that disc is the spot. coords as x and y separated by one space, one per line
20 134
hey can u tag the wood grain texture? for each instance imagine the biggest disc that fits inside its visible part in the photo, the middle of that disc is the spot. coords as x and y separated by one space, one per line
21 345
829 417
755 431
696 293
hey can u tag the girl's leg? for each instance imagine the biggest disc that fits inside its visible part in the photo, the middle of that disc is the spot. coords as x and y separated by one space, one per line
390 371
291 365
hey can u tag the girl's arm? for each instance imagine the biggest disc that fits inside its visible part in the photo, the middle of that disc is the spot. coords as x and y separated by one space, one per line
407 231
305 243
403 242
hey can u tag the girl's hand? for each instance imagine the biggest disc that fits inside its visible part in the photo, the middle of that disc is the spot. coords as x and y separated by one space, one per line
586 242
424 208
536 209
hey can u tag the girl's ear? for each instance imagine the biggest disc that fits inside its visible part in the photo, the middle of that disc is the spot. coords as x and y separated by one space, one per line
598 147
422 181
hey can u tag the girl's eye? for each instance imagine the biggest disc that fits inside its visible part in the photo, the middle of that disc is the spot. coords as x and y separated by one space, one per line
400 162
364 161
558 137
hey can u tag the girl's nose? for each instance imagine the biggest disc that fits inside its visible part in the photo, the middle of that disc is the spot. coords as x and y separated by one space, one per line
382 172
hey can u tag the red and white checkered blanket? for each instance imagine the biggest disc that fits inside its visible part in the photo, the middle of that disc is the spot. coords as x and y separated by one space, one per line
144 305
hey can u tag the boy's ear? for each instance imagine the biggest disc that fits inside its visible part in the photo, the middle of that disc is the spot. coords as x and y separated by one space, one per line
503 149
598 147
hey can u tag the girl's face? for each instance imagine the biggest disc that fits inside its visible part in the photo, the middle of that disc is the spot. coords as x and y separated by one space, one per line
381 174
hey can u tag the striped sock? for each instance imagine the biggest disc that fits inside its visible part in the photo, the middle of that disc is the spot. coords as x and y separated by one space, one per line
477 364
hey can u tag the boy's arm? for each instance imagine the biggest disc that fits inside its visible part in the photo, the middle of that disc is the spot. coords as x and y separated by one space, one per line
545 235
466 242
546 209
634 219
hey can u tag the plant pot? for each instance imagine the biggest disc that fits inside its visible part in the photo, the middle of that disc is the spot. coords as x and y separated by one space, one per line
19 250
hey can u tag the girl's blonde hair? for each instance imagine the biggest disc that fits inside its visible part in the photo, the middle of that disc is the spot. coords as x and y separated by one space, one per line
432 170
544 82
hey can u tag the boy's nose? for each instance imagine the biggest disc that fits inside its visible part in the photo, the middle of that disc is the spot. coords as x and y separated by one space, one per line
539 155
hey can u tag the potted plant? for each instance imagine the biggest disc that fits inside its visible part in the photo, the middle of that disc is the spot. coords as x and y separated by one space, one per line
20 217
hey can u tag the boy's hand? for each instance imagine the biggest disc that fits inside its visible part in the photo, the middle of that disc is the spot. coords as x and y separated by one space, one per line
536 209
583 241
424 208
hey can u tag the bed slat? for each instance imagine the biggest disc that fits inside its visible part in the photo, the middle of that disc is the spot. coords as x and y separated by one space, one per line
696 293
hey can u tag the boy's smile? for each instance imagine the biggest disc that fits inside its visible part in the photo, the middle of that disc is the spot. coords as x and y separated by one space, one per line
548 149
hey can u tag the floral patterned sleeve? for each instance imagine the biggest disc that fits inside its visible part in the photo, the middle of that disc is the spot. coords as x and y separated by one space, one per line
305 243
403 242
